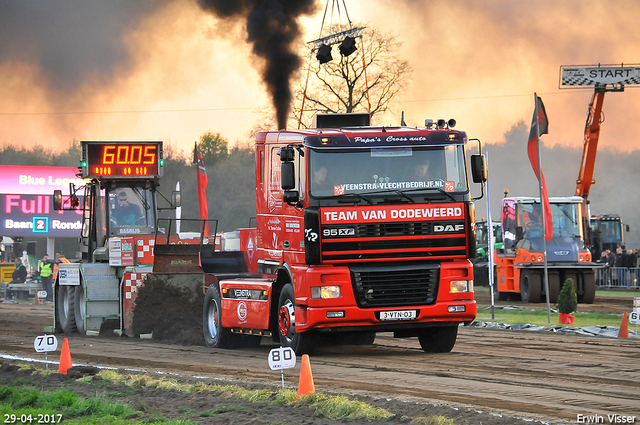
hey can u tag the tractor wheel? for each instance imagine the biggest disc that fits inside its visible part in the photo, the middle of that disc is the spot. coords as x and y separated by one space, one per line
215 335
301 343
438 340
588 294
530 287
65 306
79 308
554 287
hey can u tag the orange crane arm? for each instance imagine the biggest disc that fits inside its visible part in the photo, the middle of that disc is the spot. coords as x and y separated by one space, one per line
591 136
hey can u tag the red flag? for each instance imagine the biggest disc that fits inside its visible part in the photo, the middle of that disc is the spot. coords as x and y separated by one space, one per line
540 125
202 186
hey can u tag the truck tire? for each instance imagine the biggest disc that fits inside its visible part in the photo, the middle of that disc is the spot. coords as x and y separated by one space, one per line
439 339
65 306
79 305
530 286
301 343
589 291
216 336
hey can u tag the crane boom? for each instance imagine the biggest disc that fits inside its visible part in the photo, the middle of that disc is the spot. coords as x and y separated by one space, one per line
591 136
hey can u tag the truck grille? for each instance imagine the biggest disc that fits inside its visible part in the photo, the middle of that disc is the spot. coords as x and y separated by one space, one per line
395 285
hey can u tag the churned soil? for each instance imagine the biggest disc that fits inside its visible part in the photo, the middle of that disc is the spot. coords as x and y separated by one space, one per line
492 377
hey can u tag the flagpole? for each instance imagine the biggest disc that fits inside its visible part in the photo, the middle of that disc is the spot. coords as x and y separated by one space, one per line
544 219
490 245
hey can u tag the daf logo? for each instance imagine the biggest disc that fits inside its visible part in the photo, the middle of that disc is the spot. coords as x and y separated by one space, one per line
439 228
561 252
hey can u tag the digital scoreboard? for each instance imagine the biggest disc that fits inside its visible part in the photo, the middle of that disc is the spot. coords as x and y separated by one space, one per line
121 160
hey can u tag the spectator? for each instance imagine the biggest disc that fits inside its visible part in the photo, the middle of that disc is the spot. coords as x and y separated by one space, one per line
60 258
621 265
621 258
604 258
611 258
19 275
46 275
630 259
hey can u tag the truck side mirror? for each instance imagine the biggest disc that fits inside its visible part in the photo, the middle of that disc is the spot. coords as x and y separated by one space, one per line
176 199
290 196
287 175
57 200
478 169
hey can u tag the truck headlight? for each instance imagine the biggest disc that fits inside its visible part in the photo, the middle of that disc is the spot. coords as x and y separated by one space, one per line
461 286
324 292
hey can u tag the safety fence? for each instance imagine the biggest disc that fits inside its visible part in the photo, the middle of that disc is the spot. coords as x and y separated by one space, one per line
618 277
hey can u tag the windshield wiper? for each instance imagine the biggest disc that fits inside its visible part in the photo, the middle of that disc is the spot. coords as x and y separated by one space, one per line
419 189
140 197
341 198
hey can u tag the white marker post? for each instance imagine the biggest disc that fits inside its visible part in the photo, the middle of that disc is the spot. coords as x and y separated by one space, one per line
282 358
45 343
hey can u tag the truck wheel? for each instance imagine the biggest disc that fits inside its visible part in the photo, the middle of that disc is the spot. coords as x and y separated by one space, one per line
79 305
589 290
215 335
65 306
302 343
530 287
438 340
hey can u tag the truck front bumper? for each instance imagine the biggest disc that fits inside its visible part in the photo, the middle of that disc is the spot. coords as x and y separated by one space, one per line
384 319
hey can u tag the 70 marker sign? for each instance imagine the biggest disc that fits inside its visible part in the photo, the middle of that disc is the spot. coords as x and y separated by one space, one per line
45 343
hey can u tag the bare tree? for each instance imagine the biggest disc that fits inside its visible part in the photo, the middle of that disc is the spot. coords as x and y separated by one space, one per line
365 81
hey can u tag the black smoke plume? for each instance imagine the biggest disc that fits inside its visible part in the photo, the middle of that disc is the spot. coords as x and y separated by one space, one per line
272 28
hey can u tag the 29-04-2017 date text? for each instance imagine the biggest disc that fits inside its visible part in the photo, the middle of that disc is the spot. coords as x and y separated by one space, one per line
32 419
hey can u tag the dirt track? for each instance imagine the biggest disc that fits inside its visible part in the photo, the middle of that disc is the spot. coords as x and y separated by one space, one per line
543 375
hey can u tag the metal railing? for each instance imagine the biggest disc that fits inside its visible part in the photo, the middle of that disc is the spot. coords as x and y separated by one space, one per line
618 277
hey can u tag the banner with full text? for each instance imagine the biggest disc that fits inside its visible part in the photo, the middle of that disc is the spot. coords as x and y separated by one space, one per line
26 201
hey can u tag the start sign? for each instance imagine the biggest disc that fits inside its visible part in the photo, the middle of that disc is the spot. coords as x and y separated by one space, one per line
599 75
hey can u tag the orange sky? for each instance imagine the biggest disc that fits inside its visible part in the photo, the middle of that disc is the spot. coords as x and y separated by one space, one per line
174 76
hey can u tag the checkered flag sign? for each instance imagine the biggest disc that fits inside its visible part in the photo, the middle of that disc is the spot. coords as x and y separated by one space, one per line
600 75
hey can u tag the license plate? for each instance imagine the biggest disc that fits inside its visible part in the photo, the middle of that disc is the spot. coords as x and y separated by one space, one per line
398 315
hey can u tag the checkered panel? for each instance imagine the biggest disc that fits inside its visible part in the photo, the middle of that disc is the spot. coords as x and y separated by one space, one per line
131 283
144 251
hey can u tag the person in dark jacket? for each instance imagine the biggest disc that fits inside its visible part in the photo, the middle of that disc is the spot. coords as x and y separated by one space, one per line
631 259
19 275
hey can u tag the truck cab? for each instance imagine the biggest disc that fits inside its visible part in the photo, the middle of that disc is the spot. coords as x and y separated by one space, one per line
366 229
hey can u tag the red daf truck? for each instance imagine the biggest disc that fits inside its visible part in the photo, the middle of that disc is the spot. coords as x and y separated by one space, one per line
360 230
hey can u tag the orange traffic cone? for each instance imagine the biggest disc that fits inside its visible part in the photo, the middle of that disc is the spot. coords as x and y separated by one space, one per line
37 299
624 327
65 358
305 386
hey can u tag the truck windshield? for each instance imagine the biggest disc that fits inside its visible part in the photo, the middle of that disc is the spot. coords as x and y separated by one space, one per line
131 211
335 172
566 220
610 230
